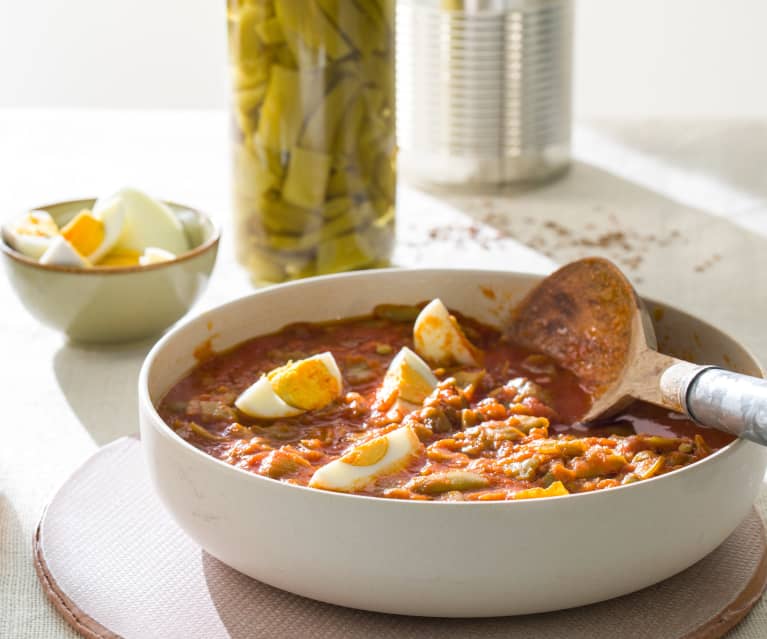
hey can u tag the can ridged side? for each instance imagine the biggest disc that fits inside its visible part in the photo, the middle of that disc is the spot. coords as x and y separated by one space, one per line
483 90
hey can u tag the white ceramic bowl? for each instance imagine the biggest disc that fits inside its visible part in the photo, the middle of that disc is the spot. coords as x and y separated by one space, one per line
437 558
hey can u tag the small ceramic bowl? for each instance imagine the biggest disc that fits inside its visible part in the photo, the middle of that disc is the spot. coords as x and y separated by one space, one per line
115 304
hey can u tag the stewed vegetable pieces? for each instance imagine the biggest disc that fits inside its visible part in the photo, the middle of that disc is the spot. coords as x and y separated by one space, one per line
496 430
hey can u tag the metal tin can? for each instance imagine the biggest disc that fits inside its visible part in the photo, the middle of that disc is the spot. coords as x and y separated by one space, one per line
483 90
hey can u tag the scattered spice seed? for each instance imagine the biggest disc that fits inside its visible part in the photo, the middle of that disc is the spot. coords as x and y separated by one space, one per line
627 247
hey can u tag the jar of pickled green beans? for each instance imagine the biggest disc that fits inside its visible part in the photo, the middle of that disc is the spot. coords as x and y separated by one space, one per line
314 145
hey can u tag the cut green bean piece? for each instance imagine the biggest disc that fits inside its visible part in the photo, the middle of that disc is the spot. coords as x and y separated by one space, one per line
252 177
447 481
310 35
355 23
397 312
281 114
313 159
345 182
336 206
344 253
248 103
273 160
349 128
324 124
270 31
247 46
281 217
307 178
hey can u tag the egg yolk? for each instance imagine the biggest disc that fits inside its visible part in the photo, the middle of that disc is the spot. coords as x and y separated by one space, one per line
413 387
307 384
37 225
85 233
121 257
368 453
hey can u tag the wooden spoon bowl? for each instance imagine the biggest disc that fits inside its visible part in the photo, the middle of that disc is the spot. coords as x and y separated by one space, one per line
590 320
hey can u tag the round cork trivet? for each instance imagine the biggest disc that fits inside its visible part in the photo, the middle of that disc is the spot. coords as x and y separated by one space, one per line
114 564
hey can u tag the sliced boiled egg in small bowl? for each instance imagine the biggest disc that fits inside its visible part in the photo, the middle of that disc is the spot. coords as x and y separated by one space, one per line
78 267
30 233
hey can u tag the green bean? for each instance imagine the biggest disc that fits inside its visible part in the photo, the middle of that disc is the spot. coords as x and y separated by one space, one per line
282 217
280 118
344 253
314 144
309 33
270 31
447 481
203 432
397 312
307 178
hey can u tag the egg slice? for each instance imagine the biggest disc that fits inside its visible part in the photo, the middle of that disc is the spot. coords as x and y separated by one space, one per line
408 378
154 255
439 338
120 257
260 401
95 235
31 233
363 464
147 222
294 388
62 253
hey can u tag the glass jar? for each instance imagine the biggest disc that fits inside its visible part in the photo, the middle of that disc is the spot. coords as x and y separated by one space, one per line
313 135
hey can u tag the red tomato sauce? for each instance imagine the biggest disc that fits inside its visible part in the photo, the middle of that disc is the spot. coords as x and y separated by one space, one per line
500 431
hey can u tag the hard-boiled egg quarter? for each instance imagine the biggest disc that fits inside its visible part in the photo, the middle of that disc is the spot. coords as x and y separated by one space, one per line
148 222
260 401
154 255
92 235
367 462
409 377
62 253
31 233
294 388
309 383
440 339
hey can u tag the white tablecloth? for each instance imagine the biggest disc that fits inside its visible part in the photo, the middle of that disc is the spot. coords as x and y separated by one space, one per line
682 205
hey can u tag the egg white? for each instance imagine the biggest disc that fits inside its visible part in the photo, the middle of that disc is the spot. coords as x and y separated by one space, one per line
154 255
260 401
62 253
406 365
340 476
112 216
439 338
148 222
23 233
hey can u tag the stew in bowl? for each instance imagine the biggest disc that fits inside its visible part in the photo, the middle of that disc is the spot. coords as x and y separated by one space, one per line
387 405
211 429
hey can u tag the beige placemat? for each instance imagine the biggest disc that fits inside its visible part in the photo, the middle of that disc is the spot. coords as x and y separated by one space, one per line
115 565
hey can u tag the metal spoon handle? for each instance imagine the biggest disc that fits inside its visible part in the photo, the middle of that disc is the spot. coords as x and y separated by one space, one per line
728 401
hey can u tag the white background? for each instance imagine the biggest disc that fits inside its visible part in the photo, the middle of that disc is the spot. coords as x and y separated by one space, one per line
633 58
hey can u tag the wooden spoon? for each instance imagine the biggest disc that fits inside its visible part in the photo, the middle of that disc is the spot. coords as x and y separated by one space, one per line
589 319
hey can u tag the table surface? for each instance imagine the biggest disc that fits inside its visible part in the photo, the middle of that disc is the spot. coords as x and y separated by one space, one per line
681 205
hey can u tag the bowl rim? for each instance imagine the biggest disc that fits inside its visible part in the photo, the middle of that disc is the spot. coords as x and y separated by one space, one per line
208 244
148 410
